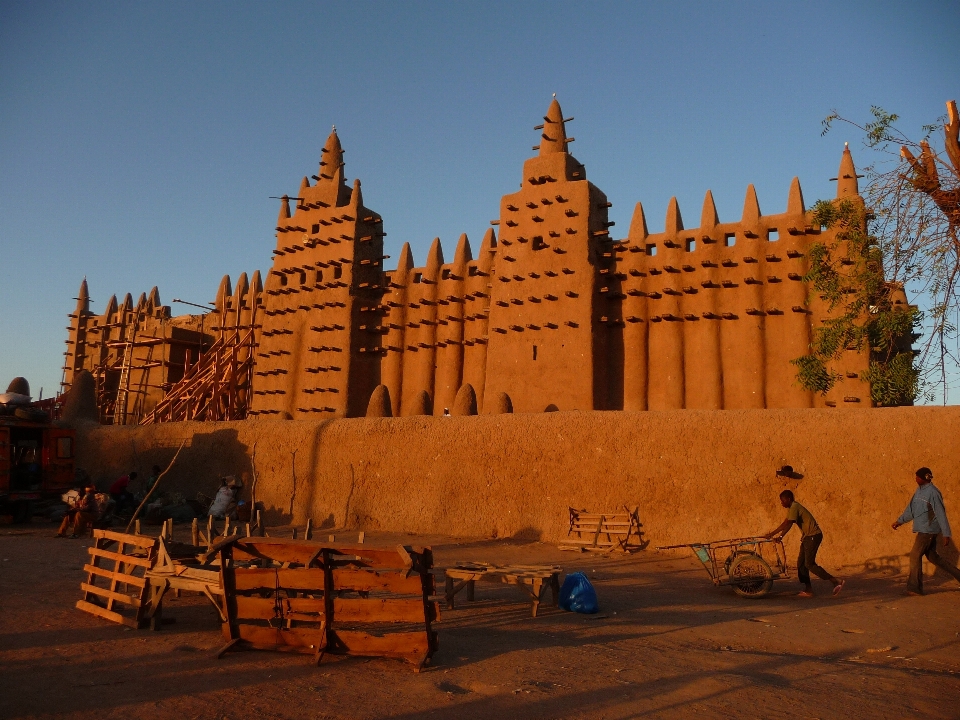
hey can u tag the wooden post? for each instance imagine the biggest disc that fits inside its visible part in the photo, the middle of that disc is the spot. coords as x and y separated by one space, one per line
308 533
294 533
209 531
137 530
195 533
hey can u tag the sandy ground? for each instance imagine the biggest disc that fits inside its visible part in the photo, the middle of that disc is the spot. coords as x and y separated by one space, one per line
666 643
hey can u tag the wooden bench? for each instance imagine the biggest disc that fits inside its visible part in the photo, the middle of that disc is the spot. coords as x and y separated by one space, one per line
534 579
605 532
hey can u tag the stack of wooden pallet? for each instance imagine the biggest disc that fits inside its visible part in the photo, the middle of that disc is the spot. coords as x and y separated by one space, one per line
307 597
605 531
274 593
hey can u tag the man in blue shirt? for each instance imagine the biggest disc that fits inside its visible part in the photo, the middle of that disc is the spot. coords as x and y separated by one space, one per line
929 521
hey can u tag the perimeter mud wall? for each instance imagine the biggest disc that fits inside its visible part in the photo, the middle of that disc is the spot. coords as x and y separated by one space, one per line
696 475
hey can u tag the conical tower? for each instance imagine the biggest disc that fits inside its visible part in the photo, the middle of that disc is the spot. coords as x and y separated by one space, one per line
546 336
314 359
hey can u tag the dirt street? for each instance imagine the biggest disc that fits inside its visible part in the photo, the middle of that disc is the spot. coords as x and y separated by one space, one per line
666 643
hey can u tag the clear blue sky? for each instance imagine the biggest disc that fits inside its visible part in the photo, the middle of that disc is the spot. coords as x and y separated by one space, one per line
140 142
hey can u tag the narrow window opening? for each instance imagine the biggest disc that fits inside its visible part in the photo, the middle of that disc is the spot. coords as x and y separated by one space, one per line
417 277
283 280
773 235
446 273
730 240
473 271
652 249
319 276
534 352
337 271
315 229
691 245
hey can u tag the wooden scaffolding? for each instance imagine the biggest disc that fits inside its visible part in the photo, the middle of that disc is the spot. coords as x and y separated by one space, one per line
216 387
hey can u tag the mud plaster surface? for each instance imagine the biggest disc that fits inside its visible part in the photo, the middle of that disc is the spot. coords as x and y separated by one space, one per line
666 644
696 475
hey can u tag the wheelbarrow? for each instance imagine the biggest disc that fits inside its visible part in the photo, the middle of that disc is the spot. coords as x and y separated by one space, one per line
750 564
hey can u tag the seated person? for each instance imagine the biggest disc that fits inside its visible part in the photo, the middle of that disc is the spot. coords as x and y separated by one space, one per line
120 494
225 503
82 514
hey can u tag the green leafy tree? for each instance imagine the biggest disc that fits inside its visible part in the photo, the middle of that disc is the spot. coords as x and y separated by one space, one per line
906 237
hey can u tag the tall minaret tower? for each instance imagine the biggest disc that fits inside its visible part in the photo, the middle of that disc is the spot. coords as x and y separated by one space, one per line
313 360
546 336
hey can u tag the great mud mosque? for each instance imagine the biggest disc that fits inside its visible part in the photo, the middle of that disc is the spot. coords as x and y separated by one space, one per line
549 312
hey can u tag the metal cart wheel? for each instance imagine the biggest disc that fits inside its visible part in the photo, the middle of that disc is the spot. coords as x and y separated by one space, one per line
751 576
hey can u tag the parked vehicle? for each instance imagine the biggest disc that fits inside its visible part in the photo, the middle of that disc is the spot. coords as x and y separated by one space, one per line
36 461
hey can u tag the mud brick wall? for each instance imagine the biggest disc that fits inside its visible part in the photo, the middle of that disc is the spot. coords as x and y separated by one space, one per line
696 474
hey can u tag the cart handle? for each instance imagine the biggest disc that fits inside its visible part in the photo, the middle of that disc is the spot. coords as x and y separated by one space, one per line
757 539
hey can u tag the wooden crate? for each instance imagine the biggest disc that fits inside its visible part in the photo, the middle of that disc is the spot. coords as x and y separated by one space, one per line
301 596
116 588
605 532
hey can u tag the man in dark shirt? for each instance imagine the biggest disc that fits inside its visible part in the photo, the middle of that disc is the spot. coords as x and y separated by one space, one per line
810 541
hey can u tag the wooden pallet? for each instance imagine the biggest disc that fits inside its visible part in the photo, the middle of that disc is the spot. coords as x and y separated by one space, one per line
119 592
605 532
307 597
534 579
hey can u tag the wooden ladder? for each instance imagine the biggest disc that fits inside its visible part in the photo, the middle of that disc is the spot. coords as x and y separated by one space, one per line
123 390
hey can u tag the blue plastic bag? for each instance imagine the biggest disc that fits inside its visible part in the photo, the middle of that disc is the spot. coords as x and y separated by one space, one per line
578 595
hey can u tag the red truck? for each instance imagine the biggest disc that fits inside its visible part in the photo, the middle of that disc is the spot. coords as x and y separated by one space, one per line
36 462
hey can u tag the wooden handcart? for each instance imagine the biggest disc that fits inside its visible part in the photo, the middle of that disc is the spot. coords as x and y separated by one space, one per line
750 564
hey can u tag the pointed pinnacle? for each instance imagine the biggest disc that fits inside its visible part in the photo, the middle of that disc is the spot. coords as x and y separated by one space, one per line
405 261
847 186
554 137
489 243
463 254
284 210
434 260
638 225
751 207
708 217
795 204
674 222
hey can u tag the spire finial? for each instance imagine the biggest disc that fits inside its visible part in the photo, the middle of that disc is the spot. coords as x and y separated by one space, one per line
83 298
553 139
331 160
284 209
847 176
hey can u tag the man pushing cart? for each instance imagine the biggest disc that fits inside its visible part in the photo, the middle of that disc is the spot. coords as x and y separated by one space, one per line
751 564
